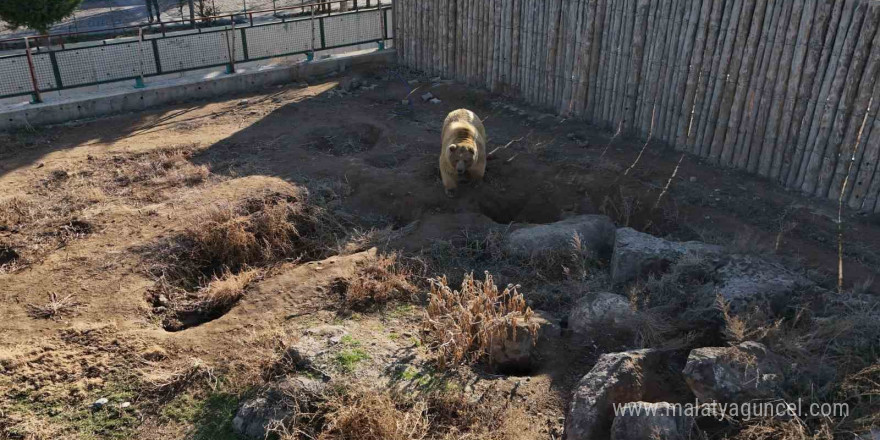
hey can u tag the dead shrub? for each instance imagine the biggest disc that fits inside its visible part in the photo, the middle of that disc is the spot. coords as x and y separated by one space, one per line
57 307
465 325
377 283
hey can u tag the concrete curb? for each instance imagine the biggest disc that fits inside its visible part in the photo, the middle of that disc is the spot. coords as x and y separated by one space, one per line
137 100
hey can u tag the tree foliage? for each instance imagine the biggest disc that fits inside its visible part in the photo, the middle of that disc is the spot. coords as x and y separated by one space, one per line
39 15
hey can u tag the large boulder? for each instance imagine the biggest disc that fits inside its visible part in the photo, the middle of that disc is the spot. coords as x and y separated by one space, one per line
743 279
652 421
619 378
746 372
596 234
519 353
280 404
637 254
600 310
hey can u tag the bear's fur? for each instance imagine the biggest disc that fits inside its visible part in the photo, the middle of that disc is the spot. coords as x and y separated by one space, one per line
463 149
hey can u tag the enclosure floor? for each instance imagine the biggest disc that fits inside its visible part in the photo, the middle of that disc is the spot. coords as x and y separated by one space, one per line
379 157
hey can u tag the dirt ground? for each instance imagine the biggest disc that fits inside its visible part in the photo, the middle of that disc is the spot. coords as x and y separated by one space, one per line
99 209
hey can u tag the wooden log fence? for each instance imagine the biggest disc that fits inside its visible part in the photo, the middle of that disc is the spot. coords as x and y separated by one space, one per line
787 89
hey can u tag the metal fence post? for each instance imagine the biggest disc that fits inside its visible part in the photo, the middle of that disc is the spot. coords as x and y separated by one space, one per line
37 96
231 47
381 27
311 55
139 81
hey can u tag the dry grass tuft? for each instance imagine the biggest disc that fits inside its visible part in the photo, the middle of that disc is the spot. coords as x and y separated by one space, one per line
375 416
255 233
15 210
366 414
227 289
374 285
57 307
465 325
777 429
195 373
751 326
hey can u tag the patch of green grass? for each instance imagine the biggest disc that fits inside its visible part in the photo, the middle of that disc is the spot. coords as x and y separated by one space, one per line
182 409
401 311
425 379
350 341
81 421
210 415
393 336
213 418
348 359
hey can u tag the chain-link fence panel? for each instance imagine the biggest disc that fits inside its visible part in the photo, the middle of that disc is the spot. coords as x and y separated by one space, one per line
278 39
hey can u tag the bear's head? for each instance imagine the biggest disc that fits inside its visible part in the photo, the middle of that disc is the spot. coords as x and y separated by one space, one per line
462 156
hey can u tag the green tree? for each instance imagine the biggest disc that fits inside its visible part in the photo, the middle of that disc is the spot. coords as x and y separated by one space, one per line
38 15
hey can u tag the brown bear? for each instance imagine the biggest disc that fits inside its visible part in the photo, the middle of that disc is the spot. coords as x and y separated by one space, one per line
463 149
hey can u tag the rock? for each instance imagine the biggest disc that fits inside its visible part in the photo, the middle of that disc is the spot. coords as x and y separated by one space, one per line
162 300
519 355
596 233
746 372
435 101
621 378
652 421
427 97
746 278
124 405
693 179
100 403
243 102
405 101
282 403
600 310
328 331
637 254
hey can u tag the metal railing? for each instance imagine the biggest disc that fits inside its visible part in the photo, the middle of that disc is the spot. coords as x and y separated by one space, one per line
148 55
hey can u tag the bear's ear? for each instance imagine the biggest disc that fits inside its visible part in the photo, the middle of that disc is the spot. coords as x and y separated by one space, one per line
452 148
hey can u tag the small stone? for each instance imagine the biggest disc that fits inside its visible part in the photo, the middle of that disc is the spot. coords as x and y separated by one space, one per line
162 300
693 179
100 403
427 97
124 405
405 102
243 102
435 101
160 309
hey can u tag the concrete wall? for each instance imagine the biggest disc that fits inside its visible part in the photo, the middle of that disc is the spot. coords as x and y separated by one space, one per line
140 99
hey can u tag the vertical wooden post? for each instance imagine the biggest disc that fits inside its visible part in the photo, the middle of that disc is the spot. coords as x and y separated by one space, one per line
37 96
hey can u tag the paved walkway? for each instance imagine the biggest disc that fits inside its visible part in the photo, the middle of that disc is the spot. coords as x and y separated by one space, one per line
95 15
